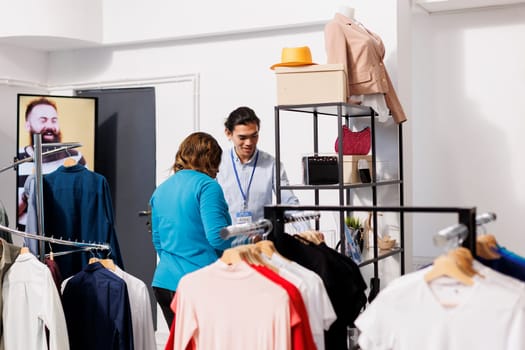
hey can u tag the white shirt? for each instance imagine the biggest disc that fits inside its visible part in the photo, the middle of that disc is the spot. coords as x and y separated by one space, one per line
141 317
262 186
321 313
31 304
407 315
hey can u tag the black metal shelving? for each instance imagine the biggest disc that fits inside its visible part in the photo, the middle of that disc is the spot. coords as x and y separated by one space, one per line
345 113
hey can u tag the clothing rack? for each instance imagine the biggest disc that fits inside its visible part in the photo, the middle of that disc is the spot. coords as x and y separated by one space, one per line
37 158
466 216
260 227
66 252
100 246
453 236
60 148
485 218
301 216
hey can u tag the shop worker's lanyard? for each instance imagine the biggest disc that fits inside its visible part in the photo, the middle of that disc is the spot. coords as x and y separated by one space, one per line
244 195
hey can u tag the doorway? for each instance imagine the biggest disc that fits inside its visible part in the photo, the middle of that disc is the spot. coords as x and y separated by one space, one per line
125 154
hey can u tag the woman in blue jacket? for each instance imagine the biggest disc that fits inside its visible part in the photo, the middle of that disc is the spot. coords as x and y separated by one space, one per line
188 212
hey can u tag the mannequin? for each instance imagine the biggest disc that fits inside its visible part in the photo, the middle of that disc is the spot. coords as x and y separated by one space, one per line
376 101
361 52
346 11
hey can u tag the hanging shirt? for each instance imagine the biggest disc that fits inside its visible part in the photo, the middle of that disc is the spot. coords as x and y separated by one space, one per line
106 326
302 338
141 317
4 220
261 189
31 304
341 276
78 207
50 163
55 273
321 313
407 315
231 307
9 254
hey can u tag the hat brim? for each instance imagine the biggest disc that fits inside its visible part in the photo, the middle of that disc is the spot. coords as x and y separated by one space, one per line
292 64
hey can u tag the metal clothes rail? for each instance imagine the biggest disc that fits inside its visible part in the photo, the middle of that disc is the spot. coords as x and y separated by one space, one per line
37 158
466 216
100 246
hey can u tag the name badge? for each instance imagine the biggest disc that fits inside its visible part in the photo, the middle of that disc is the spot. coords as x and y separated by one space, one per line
243 217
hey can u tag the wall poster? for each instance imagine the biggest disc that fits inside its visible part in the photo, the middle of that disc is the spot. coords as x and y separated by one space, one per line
59 119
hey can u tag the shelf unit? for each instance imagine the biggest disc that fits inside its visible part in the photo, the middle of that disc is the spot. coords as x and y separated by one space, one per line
345 113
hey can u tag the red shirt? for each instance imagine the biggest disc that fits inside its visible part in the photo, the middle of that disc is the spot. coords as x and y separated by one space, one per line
302 338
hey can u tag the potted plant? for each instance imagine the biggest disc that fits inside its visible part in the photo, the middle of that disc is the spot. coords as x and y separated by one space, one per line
356 228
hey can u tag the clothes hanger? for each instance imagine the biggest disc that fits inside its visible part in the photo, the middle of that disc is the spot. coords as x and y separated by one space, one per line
231 256
457 264
486 244
268 249
69 161
107 263
254 254
486 247
315 237
248 253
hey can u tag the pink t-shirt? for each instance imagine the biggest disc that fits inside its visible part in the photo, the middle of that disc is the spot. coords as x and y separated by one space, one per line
231 307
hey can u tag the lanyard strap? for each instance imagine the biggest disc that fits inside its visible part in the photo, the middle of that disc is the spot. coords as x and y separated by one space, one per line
244 195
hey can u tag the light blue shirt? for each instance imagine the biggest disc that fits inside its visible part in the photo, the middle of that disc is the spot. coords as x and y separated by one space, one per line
262 189
188 211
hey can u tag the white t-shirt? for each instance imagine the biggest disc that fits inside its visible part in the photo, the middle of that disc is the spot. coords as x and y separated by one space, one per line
321 313
407 315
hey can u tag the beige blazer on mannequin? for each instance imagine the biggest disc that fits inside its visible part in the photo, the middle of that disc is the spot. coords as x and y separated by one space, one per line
362 53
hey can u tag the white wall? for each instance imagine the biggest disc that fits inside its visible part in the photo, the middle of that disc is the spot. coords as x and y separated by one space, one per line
232 68
468 85
19 69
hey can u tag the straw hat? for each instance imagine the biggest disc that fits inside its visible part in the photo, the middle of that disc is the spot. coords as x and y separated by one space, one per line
295 56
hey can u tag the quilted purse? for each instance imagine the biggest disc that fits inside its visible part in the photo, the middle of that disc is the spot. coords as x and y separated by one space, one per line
354 142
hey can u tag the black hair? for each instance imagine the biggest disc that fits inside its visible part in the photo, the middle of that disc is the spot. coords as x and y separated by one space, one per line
241 116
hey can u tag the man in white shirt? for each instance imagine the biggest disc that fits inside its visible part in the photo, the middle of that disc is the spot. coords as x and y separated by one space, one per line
247 174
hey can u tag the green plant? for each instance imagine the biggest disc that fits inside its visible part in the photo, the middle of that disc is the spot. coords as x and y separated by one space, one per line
353 222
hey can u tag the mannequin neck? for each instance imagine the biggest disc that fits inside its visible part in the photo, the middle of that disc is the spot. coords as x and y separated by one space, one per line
346 11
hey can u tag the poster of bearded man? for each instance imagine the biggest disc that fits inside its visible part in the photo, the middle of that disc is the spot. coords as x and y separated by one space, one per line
58 119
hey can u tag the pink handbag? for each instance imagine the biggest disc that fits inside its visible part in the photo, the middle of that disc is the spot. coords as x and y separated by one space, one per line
355 142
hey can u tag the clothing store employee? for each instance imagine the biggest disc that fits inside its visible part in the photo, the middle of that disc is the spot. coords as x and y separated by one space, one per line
246 173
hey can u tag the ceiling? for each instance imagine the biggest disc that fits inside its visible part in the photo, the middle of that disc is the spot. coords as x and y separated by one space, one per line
436 6
47 43
53 43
